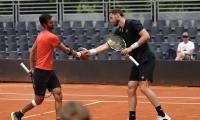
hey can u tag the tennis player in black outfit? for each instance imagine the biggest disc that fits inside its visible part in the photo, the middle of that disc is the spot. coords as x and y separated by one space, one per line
136 38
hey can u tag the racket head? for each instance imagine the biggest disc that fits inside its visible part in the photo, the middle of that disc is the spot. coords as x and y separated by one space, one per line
116 42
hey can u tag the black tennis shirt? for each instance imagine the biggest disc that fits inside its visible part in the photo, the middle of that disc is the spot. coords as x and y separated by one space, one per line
131 35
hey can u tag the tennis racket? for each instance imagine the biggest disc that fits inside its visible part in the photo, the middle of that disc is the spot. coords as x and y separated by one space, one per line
117 43
32 79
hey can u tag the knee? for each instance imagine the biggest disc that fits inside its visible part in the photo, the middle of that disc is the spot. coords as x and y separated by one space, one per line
132 90
58 95
39 101
144 88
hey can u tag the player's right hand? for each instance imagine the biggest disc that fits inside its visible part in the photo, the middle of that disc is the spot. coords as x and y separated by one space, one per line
85 54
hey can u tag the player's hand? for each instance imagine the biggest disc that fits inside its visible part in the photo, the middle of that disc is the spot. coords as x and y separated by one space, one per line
85 53
126 51
31 72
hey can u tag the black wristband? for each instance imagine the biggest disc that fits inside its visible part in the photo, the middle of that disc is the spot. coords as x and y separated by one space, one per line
70 51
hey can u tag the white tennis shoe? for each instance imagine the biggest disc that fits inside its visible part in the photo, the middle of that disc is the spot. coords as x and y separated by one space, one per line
164 118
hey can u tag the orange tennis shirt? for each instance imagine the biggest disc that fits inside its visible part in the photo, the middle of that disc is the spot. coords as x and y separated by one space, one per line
46 42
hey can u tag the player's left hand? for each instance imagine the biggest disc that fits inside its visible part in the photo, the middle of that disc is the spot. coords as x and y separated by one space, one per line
126 51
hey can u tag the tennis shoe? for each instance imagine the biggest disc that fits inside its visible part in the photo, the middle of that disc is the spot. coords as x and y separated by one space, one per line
163 118
16 115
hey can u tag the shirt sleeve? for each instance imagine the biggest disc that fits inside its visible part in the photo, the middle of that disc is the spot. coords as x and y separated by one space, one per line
136 25
192 46
54 41
179 47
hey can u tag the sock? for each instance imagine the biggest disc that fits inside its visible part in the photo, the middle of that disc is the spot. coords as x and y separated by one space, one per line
160 111
19 114
132 115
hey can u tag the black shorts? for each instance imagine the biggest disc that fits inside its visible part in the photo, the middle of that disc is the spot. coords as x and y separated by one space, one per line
44 79
144 71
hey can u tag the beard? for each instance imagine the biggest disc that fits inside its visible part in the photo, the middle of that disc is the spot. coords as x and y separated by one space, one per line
116 23
50 28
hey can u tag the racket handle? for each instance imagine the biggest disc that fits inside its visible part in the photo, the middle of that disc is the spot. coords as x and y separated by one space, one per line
132 59
24 67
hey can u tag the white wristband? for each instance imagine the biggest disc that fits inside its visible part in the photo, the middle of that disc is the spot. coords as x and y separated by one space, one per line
93 51
135 45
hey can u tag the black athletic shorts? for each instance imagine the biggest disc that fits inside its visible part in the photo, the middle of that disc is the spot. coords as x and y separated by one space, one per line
44 79
144 71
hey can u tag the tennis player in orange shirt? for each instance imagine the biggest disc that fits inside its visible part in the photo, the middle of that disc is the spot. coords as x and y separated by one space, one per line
41 64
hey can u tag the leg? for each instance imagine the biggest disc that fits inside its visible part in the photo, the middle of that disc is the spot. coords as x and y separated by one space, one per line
38 101
58 101
55 88
180 56
132 99
144 87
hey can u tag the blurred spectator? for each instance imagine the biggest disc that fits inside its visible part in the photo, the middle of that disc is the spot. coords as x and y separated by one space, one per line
185 49
74 111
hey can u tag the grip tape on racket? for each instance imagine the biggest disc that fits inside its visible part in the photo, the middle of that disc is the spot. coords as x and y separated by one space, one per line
24 67
132 59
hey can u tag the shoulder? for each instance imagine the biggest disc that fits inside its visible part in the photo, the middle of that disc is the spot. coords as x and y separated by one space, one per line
133 21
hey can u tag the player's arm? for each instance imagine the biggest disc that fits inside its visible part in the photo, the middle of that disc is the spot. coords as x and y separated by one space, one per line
67 50
32 56
100 49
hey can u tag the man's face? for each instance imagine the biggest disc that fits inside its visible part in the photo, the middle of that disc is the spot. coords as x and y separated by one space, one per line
49 24
114 19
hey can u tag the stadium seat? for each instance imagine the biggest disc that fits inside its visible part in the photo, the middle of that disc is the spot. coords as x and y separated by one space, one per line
1 25
154 31
161 24
2 31
2 47
31 25
11 31
197 24
12 55
2 54
31 40
81 39
186 24
115 56
103 56
69 38
99 24
11 39
67 31
21 25
78 31
88 24
66 24
9 25
166 30
179 31
90 31
62 56
104 31
23 47
57 31
25 55
172 39
32 31
23 39
2 39
173 24
148 24
12 47
77 24
21 31
192 32
159 38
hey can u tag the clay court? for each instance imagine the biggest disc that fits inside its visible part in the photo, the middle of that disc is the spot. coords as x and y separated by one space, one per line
105 102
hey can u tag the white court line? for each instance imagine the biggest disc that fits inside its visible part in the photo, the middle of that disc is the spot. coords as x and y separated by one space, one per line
111 101
90 95
54 111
